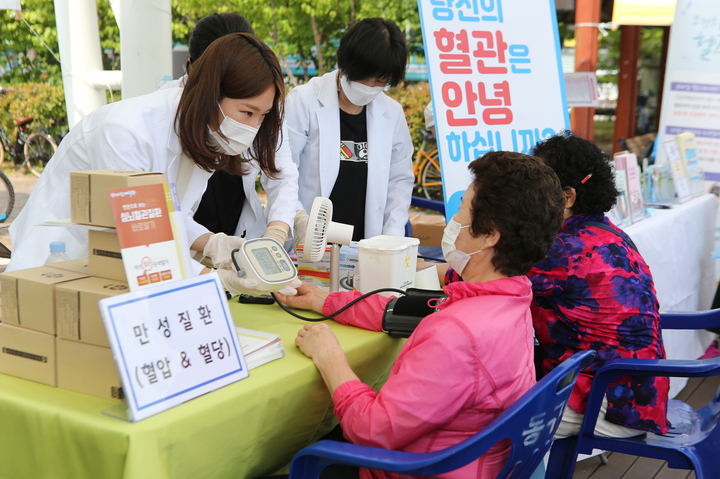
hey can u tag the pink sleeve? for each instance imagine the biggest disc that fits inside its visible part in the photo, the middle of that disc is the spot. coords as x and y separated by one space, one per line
435 378
366 314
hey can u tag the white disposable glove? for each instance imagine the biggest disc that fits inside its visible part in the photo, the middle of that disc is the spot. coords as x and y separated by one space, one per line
278 233
237 285
300 226
218 249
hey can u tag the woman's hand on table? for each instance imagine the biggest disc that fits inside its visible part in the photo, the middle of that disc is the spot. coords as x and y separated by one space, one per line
307 297
320 344
315 340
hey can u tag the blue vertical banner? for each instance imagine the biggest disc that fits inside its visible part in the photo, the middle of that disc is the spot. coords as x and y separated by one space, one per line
496 80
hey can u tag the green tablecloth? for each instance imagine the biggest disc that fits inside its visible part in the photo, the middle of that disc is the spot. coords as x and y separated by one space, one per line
247 429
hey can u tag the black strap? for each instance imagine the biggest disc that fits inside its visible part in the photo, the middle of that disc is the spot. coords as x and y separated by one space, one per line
605 227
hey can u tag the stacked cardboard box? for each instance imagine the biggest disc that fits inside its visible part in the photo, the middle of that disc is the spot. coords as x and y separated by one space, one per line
428 229
51 329
91 206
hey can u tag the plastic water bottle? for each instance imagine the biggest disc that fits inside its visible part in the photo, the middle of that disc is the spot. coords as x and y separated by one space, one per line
57 252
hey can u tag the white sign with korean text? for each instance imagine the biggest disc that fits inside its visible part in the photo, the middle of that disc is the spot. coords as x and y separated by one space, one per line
172 343
496 80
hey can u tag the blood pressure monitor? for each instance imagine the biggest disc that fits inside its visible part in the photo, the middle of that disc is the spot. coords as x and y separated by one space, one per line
265 261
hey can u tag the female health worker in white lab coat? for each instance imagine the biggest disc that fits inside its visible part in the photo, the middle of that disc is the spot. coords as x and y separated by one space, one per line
230 203
232 100
350 141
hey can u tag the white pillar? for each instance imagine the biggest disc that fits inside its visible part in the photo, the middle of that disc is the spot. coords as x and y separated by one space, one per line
145 45
79 40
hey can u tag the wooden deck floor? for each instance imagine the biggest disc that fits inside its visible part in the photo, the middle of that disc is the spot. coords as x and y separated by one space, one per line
697 393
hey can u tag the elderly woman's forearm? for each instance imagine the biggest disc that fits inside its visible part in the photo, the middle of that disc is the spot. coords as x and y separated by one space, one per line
334 368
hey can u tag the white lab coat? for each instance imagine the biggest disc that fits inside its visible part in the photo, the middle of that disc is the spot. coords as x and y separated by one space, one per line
312 114
133 134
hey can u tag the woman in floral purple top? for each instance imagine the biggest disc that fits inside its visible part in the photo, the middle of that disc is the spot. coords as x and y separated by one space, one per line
594 291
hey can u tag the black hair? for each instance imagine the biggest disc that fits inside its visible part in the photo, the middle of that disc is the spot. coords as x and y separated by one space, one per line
573 159
373 48
519 197
214 26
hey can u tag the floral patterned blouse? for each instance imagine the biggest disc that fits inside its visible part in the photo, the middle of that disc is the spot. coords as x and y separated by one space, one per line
593 291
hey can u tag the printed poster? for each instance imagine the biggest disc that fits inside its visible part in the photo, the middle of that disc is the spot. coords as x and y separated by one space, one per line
151 234
691 100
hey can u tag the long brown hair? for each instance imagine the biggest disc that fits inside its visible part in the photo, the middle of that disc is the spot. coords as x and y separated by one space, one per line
237 66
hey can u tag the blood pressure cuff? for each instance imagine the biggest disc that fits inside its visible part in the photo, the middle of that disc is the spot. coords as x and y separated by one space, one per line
403 314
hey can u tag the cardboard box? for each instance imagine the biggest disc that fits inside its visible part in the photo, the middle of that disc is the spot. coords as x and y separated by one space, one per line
428 229
89 199
318 273
104 256
28 296
87 369
27 354
76 265
76 309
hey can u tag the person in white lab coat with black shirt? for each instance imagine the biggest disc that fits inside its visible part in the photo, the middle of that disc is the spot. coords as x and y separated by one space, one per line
231 101
350 141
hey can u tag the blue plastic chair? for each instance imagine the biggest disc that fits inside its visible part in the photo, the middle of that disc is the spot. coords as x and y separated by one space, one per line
693 441
690 320
530 424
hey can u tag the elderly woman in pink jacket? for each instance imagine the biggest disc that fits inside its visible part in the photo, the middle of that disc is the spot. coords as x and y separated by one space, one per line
471 359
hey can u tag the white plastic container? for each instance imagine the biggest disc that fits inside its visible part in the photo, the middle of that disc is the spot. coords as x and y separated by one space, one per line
387 262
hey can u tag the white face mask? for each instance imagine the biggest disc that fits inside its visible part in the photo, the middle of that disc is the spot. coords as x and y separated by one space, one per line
357 93
455 258
239 136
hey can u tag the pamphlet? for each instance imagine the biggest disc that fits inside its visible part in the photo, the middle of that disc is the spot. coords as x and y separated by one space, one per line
682 185
622 207
151 233
259 347
686 145
637 206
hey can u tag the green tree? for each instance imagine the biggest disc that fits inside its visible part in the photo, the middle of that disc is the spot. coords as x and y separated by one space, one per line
310 31
28 59
109 35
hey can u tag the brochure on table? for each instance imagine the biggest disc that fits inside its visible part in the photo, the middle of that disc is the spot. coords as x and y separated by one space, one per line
151 233
172 343
622 208
259 347
687 147
632 170
680 179
486 61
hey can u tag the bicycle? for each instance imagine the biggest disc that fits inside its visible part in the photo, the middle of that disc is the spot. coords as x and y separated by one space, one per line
426 169
32 149
7 197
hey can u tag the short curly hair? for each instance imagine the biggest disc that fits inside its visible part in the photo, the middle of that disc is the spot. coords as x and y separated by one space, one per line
520 197
573 159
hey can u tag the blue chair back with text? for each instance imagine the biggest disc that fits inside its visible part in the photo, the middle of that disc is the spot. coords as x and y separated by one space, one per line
530 423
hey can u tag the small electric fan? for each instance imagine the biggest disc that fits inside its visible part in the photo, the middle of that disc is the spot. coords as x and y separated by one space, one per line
321 231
